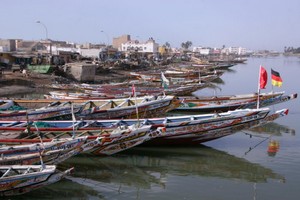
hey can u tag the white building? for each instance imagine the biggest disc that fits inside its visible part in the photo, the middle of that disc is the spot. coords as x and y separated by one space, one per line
56 49
94 53
202 50
134 45
4 49
235 50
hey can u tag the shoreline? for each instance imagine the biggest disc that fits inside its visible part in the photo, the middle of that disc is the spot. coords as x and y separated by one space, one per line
16 83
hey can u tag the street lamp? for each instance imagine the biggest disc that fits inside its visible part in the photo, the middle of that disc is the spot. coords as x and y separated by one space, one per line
46 30
106 36
39 22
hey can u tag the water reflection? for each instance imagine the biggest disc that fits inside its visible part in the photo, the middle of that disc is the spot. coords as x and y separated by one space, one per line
230 70
266 132
144 168
274 129
273 148
218 81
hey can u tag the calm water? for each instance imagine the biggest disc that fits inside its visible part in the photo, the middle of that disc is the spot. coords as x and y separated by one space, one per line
233 167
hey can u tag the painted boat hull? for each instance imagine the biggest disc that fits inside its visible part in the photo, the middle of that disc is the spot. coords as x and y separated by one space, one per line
24 183
184 127
223 105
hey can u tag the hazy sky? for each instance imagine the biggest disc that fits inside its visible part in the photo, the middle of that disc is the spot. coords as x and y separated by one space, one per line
254 24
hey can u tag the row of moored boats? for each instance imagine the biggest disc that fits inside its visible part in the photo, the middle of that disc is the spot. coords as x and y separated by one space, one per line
36 135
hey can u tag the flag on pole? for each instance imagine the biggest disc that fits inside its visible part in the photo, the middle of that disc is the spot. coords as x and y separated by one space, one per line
263 78
133 90
165 81
262 82
276 79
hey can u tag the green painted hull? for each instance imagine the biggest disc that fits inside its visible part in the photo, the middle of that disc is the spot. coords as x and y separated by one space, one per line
42 69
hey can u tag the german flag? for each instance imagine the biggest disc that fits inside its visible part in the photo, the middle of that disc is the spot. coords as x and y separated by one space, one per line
276 80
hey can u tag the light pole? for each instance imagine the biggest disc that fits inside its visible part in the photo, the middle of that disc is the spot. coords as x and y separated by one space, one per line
39 22
106 36
46 30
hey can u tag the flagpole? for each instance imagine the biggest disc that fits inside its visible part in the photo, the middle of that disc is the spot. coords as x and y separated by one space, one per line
136 108
272 89
272 80
73 120
165 81
137 111
258 88
262 82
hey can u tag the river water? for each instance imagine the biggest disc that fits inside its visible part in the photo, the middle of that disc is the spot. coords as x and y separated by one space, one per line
240 166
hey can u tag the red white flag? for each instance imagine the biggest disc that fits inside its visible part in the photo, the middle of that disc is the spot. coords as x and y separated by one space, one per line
263 78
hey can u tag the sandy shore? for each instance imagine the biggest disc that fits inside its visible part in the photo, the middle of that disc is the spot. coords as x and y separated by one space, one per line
15 89
17 83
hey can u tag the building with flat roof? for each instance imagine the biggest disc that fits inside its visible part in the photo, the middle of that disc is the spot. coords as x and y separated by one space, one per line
235 50
7 45
118 41
150 46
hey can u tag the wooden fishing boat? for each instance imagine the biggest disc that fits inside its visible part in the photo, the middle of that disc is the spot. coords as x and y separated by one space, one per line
179 129
177 79
54 144
20 179
76 95
48 156
226 103
150 106
238 96
121 138
51 111
52 152
149 88
203 136
6 104
137 136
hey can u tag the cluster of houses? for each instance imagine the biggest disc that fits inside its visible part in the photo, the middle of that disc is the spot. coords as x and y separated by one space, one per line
25 53
122 47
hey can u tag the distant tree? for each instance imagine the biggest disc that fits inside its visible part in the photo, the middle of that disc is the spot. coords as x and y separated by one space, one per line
291 50
167 44
186 45
297 50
